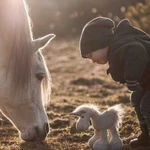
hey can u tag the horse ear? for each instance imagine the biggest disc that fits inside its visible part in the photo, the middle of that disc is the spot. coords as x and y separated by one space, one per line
42 42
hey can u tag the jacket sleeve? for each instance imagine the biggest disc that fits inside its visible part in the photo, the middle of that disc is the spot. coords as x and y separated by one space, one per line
136 61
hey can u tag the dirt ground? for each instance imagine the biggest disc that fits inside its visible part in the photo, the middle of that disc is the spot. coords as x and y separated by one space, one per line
75 81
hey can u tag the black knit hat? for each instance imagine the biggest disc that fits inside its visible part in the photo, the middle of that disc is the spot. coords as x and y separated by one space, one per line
95 35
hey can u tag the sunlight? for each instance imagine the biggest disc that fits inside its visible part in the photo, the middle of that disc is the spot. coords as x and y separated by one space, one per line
75 81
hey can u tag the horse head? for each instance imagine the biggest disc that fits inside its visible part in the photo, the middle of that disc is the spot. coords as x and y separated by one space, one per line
26 109
24 77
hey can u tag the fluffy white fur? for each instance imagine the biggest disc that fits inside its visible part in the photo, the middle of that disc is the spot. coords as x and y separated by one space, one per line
106 124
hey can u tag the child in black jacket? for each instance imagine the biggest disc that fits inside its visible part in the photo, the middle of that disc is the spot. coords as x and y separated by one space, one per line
127 50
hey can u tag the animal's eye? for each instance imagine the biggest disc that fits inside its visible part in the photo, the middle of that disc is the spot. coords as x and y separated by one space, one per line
40 76
82 116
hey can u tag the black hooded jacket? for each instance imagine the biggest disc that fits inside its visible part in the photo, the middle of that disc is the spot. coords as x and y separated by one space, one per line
129 55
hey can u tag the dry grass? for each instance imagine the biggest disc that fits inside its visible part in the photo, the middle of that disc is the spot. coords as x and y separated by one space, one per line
75 81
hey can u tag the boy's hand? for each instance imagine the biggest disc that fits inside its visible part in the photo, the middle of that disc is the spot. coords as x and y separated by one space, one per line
133 85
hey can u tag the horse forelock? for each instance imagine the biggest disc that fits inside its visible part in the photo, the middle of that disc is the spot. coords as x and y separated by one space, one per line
46 82
16 35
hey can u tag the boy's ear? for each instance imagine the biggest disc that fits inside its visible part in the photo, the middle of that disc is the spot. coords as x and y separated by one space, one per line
43 41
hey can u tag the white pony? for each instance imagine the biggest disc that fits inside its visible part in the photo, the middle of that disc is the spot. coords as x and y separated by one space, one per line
108 121
24 77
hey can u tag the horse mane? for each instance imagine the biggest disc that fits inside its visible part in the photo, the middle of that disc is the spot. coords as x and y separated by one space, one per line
17 37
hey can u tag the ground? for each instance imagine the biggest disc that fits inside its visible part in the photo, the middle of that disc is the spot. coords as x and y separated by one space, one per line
75 81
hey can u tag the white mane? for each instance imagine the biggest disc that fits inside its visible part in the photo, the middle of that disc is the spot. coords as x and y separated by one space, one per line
16 34
17 41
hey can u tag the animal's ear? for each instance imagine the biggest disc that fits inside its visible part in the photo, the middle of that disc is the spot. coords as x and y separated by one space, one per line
74 113
42 42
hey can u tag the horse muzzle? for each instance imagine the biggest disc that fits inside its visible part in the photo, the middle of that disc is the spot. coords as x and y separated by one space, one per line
35 133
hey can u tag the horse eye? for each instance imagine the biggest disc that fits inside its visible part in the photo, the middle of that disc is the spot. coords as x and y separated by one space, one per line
40 76
82 116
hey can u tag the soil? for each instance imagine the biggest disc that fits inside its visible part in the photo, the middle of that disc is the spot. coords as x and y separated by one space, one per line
75 81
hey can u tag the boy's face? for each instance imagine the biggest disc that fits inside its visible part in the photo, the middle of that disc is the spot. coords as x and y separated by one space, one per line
99 56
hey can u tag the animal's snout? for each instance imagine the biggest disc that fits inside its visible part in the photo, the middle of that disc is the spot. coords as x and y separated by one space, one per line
41 134
36 133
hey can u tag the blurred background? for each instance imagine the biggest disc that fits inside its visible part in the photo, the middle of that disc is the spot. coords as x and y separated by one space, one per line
66 18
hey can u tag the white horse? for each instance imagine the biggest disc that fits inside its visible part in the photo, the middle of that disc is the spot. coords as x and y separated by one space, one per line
108 121
24 77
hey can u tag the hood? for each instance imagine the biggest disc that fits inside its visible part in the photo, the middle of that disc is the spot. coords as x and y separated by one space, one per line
125 32
125 29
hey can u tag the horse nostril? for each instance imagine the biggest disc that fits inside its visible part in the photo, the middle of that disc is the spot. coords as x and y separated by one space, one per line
46 127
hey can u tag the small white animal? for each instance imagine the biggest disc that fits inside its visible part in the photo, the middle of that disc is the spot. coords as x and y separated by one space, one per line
106 124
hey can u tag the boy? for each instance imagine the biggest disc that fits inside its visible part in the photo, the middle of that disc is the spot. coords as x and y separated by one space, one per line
127 49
